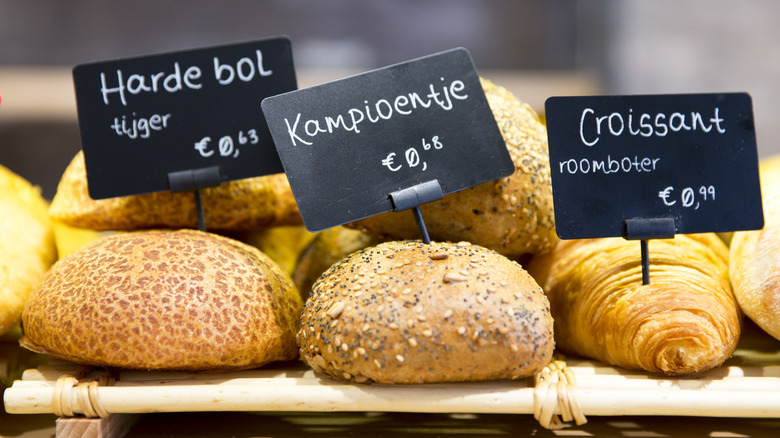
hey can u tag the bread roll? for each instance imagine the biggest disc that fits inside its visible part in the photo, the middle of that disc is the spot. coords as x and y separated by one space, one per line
755 257
327 248
27 247
184 300
409 312
513 215
241 205
685 321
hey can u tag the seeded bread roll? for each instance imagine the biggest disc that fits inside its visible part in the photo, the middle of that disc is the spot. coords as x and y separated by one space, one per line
184 300
409 312
242 205
513 215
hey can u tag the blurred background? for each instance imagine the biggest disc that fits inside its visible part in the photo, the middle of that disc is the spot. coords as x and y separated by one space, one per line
536 48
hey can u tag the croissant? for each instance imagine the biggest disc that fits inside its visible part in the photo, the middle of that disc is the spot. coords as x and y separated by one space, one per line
685 321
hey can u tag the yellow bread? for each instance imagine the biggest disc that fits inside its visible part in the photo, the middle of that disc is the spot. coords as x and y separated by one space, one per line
242 205
409 312
184 300
685 321
27 247
513 215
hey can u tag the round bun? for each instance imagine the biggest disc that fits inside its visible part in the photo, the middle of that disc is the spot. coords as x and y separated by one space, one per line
513 215
409 312
186 300
242 205
27 247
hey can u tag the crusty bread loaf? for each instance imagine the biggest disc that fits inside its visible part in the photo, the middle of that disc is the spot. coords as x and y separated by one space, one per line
184 300
513 215
409 312
27 248
755 257
685 321
241 205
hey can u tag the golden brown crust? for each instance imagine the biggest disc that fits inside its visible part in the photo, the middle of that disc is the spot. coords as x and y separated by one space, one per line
755 269
241 205
165 300
685 321
327 248
513 215
408 312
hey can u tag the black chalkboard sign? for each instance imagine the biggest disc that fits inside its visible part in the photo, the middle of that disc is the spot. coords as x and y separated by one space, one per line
690 158
347 145
146 117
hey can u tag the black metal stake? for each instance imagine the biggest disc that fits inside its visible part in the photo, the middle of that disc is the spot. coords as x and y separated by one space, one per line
421 224
199 209
645 261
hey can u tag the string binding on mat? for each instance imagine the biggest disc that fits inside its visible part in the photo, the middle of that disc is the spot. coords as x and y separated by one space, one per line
72 396
555 390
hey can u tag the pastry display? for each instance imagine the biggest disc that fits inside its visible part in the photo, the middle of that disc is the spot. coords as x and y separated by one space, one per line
513 215
242 205
27 247
685 321
185 300
410 312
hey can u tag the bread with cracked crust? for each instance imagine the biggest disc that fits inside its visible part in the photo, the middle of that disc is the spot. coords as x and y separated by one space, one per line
410 312
243 205
179 300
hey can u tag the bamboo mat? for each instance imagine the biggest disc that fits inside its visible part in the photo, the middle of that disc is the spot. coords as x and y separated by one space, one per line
747 386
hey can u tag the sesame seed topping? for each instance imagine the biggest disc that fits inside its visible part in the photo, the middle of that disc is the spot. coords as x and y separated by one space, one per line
448 313
412 342
336 309
361 351
461 330
344 347
450 277
439 256
377 363
399 358
427 332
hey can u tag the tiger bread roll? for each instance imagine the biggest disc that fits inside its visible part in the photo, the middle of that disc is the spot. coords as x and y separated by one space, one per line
178 300
755 257
27 246
241 205
409 312
685 321
512 215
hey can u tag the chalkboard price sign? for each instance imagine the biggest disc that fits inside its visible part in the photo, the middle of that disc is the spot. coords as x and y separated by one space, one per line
347 145
690 158
144 118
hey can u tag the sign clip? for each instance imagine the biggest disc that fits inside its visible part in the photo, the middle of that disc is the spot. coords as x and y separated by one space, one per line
195 179
644 229
413 197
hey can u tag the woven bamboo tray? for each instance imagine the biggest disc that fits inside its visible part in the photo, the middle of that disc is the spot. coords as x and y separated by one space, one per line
747 385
